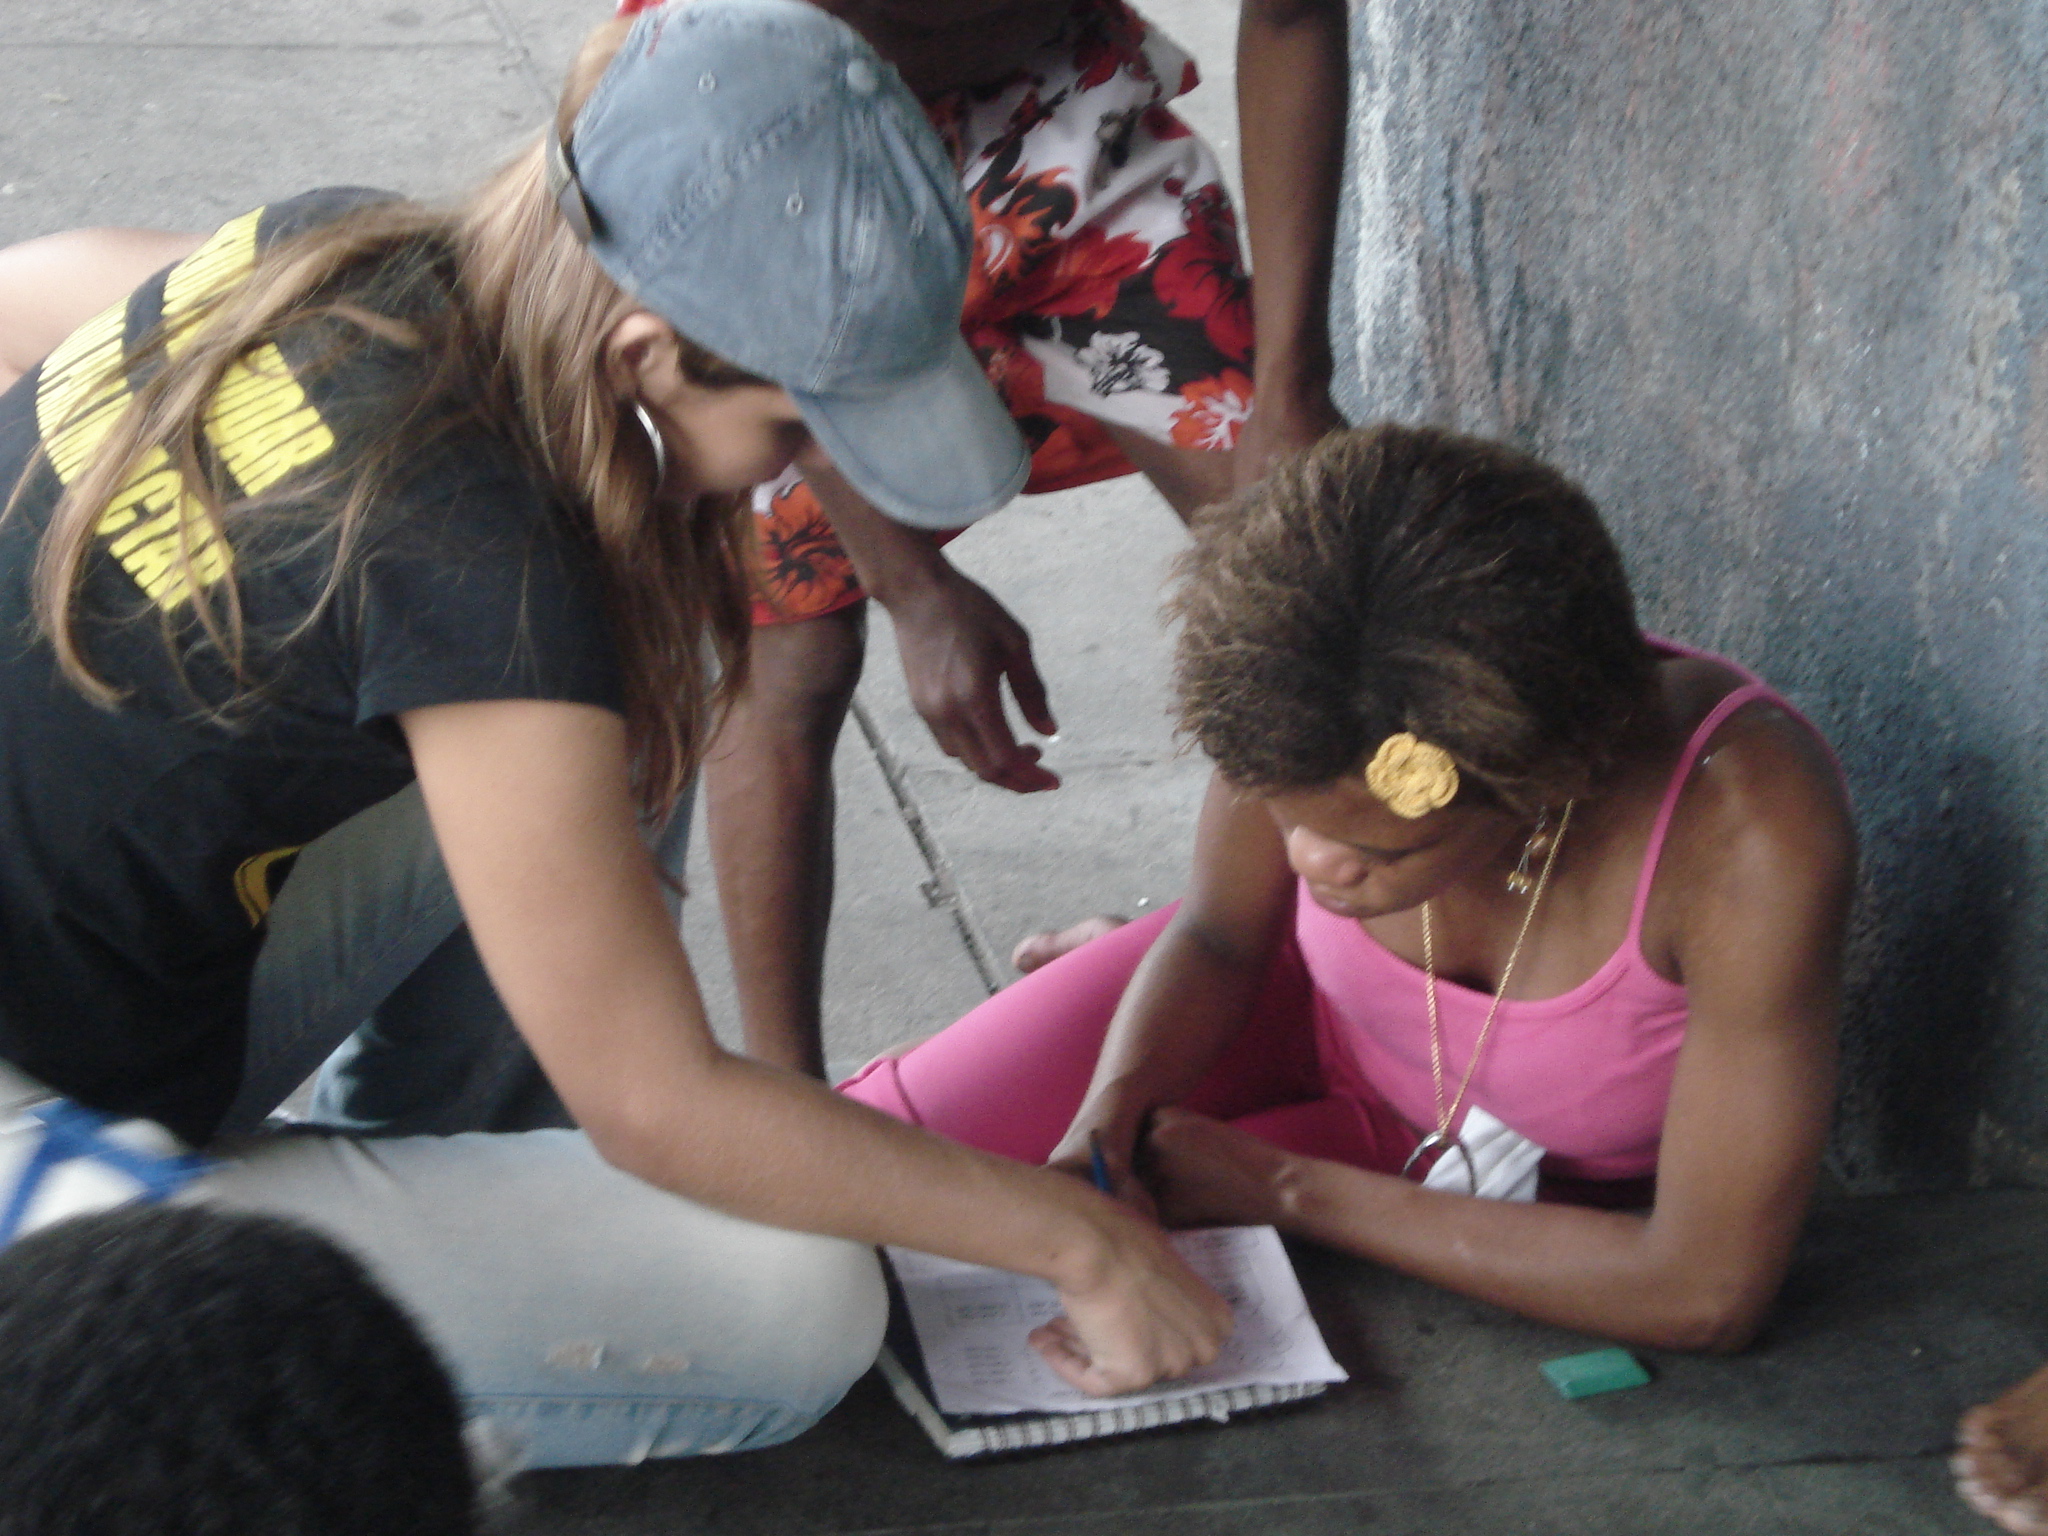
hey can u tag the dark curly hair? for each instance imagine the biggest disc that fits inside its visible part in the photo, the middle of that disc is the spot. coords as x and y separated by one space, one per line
1408 579
170 1371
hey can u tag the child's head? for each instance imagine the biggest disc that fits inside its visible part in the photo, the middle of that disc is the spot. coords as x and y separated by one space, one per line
1410 580
171 1371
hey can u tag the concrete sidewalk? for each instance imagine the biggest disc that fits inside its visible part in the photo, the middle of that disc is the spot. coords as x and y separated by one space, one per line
181 113
1899 1313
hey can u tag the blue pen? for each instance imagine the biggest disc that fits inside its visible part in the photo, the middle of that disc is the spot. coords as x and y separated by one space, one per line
1098 1165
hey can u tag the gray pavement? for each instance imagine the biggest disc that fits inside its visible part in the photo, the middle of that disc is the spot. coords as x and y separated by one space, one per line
180 113
1899 1313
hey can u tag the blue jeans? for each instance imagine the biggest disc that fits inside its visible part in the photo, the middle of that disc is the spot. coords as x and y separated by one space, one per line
588 1316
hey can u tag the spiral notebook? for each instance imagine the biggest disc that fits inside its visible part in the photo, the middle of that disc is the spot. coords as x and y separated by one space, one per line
960 1361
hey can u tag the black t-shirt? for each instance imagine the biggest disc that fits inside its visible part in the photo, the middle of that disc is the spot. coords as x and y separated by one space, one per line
139 846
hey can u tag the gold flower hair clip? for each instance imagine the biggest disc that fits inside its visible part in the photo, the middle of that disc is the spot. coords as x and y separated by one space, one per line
1413 776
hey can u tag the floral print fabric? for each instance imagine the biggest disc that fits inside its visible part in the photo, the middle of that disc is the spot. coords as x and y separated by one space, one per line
1107 284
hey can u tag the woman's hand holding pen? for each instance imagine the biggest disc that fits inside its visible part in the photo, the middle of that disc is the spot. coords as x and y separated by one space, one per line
1105 1157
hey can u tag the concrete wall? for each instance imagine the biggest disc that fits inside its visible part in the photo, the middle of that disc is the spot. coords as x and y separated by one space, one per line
1769 279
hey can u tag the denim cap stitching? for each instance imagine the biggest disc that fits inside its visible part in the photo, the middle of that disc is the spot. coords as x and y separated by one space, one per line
715 180
812 56
711 189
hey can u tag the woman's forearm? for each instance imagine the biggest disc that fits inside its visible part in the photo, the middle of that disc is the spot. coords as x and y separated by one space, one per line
1602 1272
1184 1005
782 1149
1194 990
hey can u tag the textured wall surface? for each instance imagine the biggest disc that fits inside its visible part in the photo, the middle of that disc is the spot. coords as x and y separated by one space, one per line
1769 278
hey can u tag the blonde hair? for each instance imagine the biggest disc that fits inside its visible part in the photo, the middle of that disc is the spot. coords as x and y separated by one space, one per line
517 349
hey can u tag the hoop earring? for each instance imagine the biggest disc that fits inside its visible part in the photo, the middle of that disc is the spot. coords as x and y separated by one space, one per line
653 441
1520 882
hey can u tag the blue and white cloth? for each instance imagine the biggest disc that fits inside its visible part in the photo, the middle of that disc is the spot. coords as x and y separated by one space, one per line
59 1159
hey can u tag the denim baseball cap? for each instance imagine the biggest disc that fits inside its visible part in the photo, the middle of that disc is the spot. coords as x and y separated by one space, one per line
755 174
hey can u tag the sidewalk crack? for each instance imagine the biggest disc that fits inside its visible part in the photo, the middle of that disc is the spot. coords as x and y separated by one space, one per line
942 886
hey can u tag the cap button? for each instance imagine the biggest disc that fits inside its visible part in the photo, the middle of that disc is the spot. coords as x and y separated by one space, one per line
861 76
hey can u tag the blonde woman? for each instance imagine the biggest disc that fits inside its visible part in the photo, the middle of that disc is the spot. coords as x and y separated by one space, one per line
353 495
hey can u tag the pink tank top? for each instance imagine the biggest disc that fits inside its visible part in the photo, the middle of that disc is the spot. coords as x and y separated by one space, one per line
1585 1075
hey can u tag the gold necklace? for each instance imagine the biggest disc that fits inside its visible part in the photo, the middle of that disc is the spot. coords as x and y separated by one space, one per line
1440 1140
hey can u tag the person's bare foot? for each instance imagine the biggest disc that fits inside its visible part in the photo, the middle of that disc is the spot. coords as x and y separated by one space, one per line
2001 1459
1044 948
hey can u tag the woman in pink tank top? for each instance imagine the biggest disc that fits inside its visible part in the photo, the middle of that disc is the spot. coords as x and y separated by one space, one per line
1491 896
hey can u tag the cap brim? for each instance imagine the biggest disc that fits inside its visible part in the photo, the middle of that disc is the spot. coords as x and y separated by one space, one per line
935 449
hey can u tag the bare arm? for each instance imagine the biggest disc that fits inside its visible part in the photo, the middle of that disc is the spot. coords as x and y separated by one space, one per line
1293 85
1765 864
528 803
52 285
1189 996
958 643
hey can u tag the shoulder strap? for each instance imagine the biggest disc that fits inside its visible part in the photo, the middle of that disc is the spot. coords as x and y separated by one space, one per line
1737 697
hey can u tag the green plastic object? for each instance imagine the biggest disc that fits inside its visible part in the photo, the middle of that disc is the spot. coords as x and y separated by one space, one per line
1599 1370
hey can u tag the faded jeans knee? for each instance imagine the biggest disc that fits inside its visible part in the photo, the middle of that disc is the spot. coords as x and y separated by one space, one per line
589 1317
799 1321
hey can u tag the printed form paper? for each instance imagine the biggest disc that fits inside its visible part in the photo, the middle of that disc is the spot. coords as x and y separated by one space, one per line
973 1325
